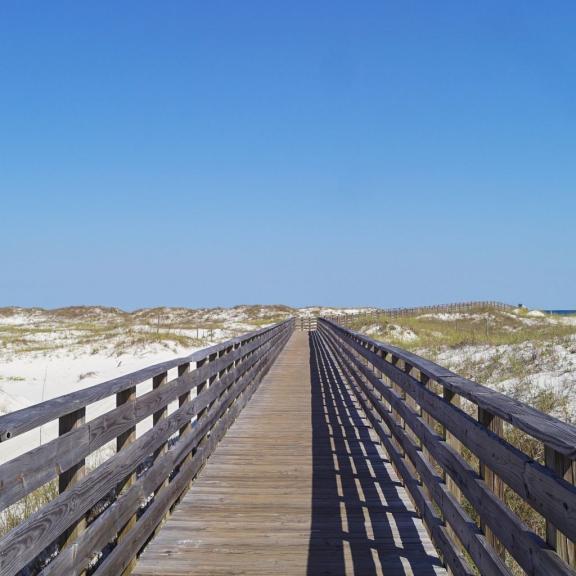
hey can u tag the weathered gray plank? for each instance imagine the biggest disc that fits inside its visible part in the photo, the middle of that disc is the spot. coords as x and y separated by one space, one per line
549 494
466 529
20 421
264 503
121 556
559 435
103 529
22 544
527 548
25 473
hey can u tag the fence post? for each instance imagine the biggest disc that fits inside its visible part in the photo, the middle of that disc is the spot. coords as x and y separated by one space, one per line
159 415
496 425
184 399
453 442
199 389
73 475
398 363
122 442
565 468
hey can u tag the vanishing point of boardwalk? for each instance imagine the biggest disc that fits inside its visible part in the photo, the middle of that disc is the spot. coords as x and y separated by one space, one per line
299 485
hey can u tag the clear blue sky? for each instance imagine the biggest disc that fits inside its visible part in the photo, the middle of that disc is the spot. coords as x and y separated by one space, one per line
332 152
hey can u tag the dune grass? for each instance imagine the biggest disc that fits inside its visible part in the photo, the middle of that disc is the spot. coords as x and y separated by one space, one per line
477 328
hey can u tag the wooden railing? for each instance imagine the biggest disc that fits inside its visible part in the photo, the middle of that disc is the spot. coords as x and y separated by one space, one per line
103 516
306 323
378 313
446 437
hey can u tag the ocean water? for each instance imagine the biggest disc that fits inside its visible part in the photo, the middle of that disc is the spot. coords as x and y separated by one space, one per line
562 312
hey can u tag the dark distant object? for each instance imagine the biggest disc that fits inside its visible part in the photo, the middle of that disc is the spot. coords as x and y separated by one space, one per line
561 312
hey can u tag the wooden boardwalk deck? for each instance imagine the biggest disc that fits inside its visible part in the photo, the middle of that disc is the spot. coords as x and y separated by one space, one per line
299 485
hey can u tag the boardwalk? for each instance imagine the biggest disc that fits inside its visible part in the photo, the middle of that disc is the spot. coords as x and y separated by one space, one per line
264 457
299 485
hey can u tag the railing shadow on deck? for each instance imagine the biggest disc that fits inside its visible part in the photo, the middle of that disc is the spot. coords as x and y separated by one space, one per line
450 442
360 520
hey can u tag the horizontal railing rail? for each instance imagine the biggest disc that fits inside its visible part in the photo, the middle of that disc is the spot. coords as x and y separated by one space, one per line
446 437
306 323
102 517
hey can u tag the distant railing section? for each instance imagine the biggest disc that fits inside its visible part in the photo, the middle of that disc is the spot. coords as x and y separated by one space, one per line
377 313
116 507
306 323
444 434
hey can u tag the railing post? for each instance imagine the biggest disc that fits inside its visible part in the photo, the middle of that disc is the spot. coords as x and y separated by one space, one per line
425 381
565 468
496 425
204 387
454 443
413 405
122 442
73 475
184 399
201 388
157 382
395 361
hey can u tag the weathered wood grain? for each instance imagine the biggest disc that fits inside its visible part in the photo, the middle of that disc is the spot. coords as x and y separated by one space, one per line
495 484
102 531
26 541
549 494
129 521
20 421
464 527
526 547
121 557
268 500
552 432
25 473
299 484
73 475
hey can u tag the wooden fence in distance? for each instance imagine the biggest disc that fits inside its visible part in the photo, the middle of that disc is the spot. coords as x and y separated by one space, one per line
306 323
376 314
117 506
444 434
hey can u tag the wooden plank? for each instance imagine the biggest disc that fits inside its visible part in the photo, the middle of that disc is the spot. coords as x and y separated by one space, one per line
20 421
29 471
27 540
121 556
551 496
73 475
454 443
102 530
449 505
267 501
526 547
495 484
182 400
160 381
122 441
566 469
454 559
559 435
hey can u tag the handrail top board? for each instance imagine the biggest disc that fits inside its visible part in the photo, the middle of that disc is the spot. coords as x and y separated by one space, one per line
558 435
26 419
